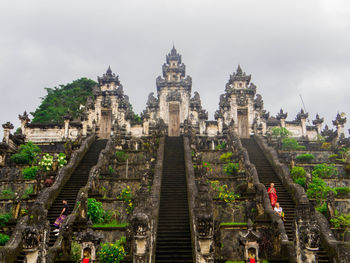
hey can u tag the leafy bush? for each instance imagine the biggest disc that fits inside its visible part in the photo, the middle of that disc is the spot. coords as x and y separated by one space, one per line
28 191
223 193
95 211
30 172
226 157
340 221
61 160
4 239
46 162
306 157
231 168
322 209
126 196
111 169
7 194
75 252
281 132
297 172
113 252
4 218
317 189
342 191
221 146
333 157
324 170
26 153
121 156
291 144
301 181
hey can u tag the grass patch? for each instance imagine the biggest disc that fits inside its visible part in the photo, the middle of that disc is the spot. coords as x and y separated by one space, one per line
114 223
234 224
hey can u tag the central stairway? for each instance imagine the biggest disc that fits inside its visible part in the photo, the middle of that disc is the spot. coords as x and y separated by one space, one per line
174 235
267 176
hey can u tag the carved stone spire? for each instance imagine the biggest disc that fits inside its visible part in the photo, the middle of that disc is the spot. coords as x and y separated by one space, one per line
318 120
108 77
302 115
281 115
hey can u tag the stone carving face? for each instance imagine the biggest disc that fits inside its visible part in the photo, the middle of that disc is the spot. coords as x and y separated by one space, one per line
30 237
242 100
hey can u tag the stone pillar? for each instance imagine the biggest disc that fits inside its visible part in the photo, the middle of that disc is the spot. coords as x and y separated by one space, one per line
85 125
24 120
302 116
146 127
318 123
8 126
220 125
66 126
339 122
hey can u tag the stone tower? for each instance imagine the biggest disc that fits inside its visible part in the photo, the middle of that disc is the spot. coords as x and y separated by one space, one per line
238 106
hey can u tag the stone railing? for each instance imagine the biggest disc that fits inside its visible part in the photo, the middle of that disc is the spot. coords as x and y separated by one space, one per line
9 252
201 213
336 249
63 242
144 219
252 176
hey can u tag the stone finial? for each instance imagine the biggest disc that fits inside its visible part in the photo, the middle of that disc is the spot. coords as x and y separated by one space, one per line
67 117
340 119
108 77
302 115
239 75
265 115
281 115
173 56
318 120
24 117
8 125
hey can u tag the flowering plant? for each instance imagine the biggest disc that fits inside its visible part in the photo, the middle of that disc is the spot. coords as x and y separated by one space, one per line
126 196
61 160
113 252
46 162
207 166
223 193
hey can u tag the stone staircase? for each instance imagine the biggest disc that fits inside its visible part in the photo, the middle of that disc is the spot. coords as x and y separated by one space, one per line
71 188
267 176
174 235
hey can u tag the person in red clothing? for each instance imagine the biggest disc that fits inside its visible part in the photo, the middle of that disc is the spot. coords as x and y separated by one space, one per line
272 194
87 256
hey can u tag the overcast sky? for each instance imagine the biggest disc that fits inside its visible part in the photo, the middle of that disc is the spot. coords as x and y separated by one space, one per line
289 47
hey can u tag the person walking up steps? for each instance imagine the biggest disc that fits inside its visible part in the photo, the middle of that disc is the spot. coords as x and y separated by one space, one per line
62 216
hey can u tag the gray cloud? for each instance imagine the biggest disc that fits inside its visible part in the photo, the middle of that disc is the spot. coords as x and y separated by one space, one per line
289 48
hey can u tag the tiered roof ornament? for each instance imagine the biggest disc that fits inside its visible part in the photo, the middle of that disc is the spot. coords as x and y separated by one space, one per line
318 120
24 117
173 56
302 115
242 81
281 115
108 77
339 120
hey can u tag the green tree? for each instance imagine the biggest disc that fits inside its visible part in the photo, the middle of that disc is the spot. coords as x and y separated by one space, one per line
63 100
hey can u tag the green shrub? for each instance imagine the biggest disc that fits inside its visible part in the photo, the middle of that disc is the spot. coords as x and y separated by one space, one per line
226 157
113 252
75 252
342 191
207 166
333 156
317 189
7 194
28 191
111 170
324 170
26 153
291 144
231 168
95 211
4 218
326 146
121 156
322 209
221 146
297 172
4 239
281 132
340 221
301 181
30 172
306 157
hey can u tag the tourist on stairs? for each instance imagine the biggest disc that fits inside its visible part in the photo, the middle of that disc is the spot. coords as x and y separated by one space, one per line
279 210
272 194
62 216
